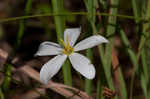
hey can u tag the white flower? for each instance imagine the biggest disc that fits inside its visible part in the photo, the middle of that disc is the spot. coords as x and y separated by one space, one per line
78 61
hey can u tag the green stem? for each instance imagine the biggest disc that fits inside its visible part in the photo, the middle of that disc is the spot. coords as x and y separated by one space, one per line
1 94
71 14
141 47
60 26
91 8
7 78
99 90
132 56
22 23
88 83
110 31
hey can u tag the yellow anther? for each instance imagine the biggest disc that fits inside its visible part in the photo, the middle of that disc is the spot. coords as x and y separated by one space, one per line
67 40
62 41
68 49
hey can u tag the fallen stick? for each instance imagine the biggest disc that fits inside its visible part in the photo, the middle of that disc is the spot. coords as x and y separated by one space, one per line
59 88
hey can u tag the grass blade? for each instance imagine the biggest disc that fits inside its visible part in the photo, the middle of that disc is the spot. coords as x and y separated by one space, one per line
22 23
91 8
110 31
1 94
132 57
60 26
144 52
88 83
7 79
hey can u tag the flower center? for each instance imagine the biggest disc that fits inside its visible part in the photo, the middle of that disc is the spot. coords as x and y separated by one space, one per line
68 49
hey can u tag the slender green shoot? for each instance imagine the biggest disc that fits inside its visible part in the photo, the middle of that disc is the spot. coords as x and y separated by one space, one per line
1 94
60 26
72 14
144 52
22 23
132 56
91 8
88 83
110 31
7 79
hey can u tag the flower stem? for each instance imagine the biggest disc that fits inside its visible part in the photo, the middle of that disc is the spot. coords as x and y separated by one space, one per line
7 78
22 23
88 83
60 25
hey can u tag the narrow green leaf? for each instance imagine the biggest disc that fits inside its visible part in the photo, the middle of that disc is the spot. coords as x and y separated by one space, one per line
7 79
91 8
22 23
132 57
1 94
88 83
110 31
60 26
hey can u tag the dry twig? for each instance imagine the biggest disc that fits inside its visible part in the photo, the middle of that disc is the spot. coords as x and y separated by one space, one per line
72 93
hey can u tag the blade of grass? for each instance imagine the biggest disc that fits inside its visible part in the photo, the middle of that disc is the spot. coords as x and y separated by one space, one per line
131 53
145 27
132 57
59 20
91 8
136 10
110 31
1 94
60 26
88 83
101 81
99 90
144 75
119 80
70 14
145 67
146 39
111 28
137 14
123 85
144 50
104 4
22 23
1 31
45 8
7 79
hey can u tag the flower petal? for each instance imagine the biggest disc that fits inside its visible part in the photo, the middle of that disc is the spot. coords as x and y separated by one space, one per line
51 68
90 42
48 48
72 35
82 65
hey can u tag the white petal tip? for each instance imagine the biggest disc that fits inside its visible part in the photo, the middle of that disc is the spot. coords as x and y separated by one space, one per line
106 41
44 81
102 39
35 55
92 76
44 78
92 72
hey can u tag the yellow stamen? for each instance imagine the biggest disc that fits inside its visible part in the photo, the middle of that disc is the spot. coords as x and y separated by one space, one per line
62 41
68 49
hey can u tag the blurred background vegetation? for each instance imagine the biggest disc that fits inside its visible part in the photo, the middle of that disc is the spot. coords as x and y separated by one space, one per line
122 70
